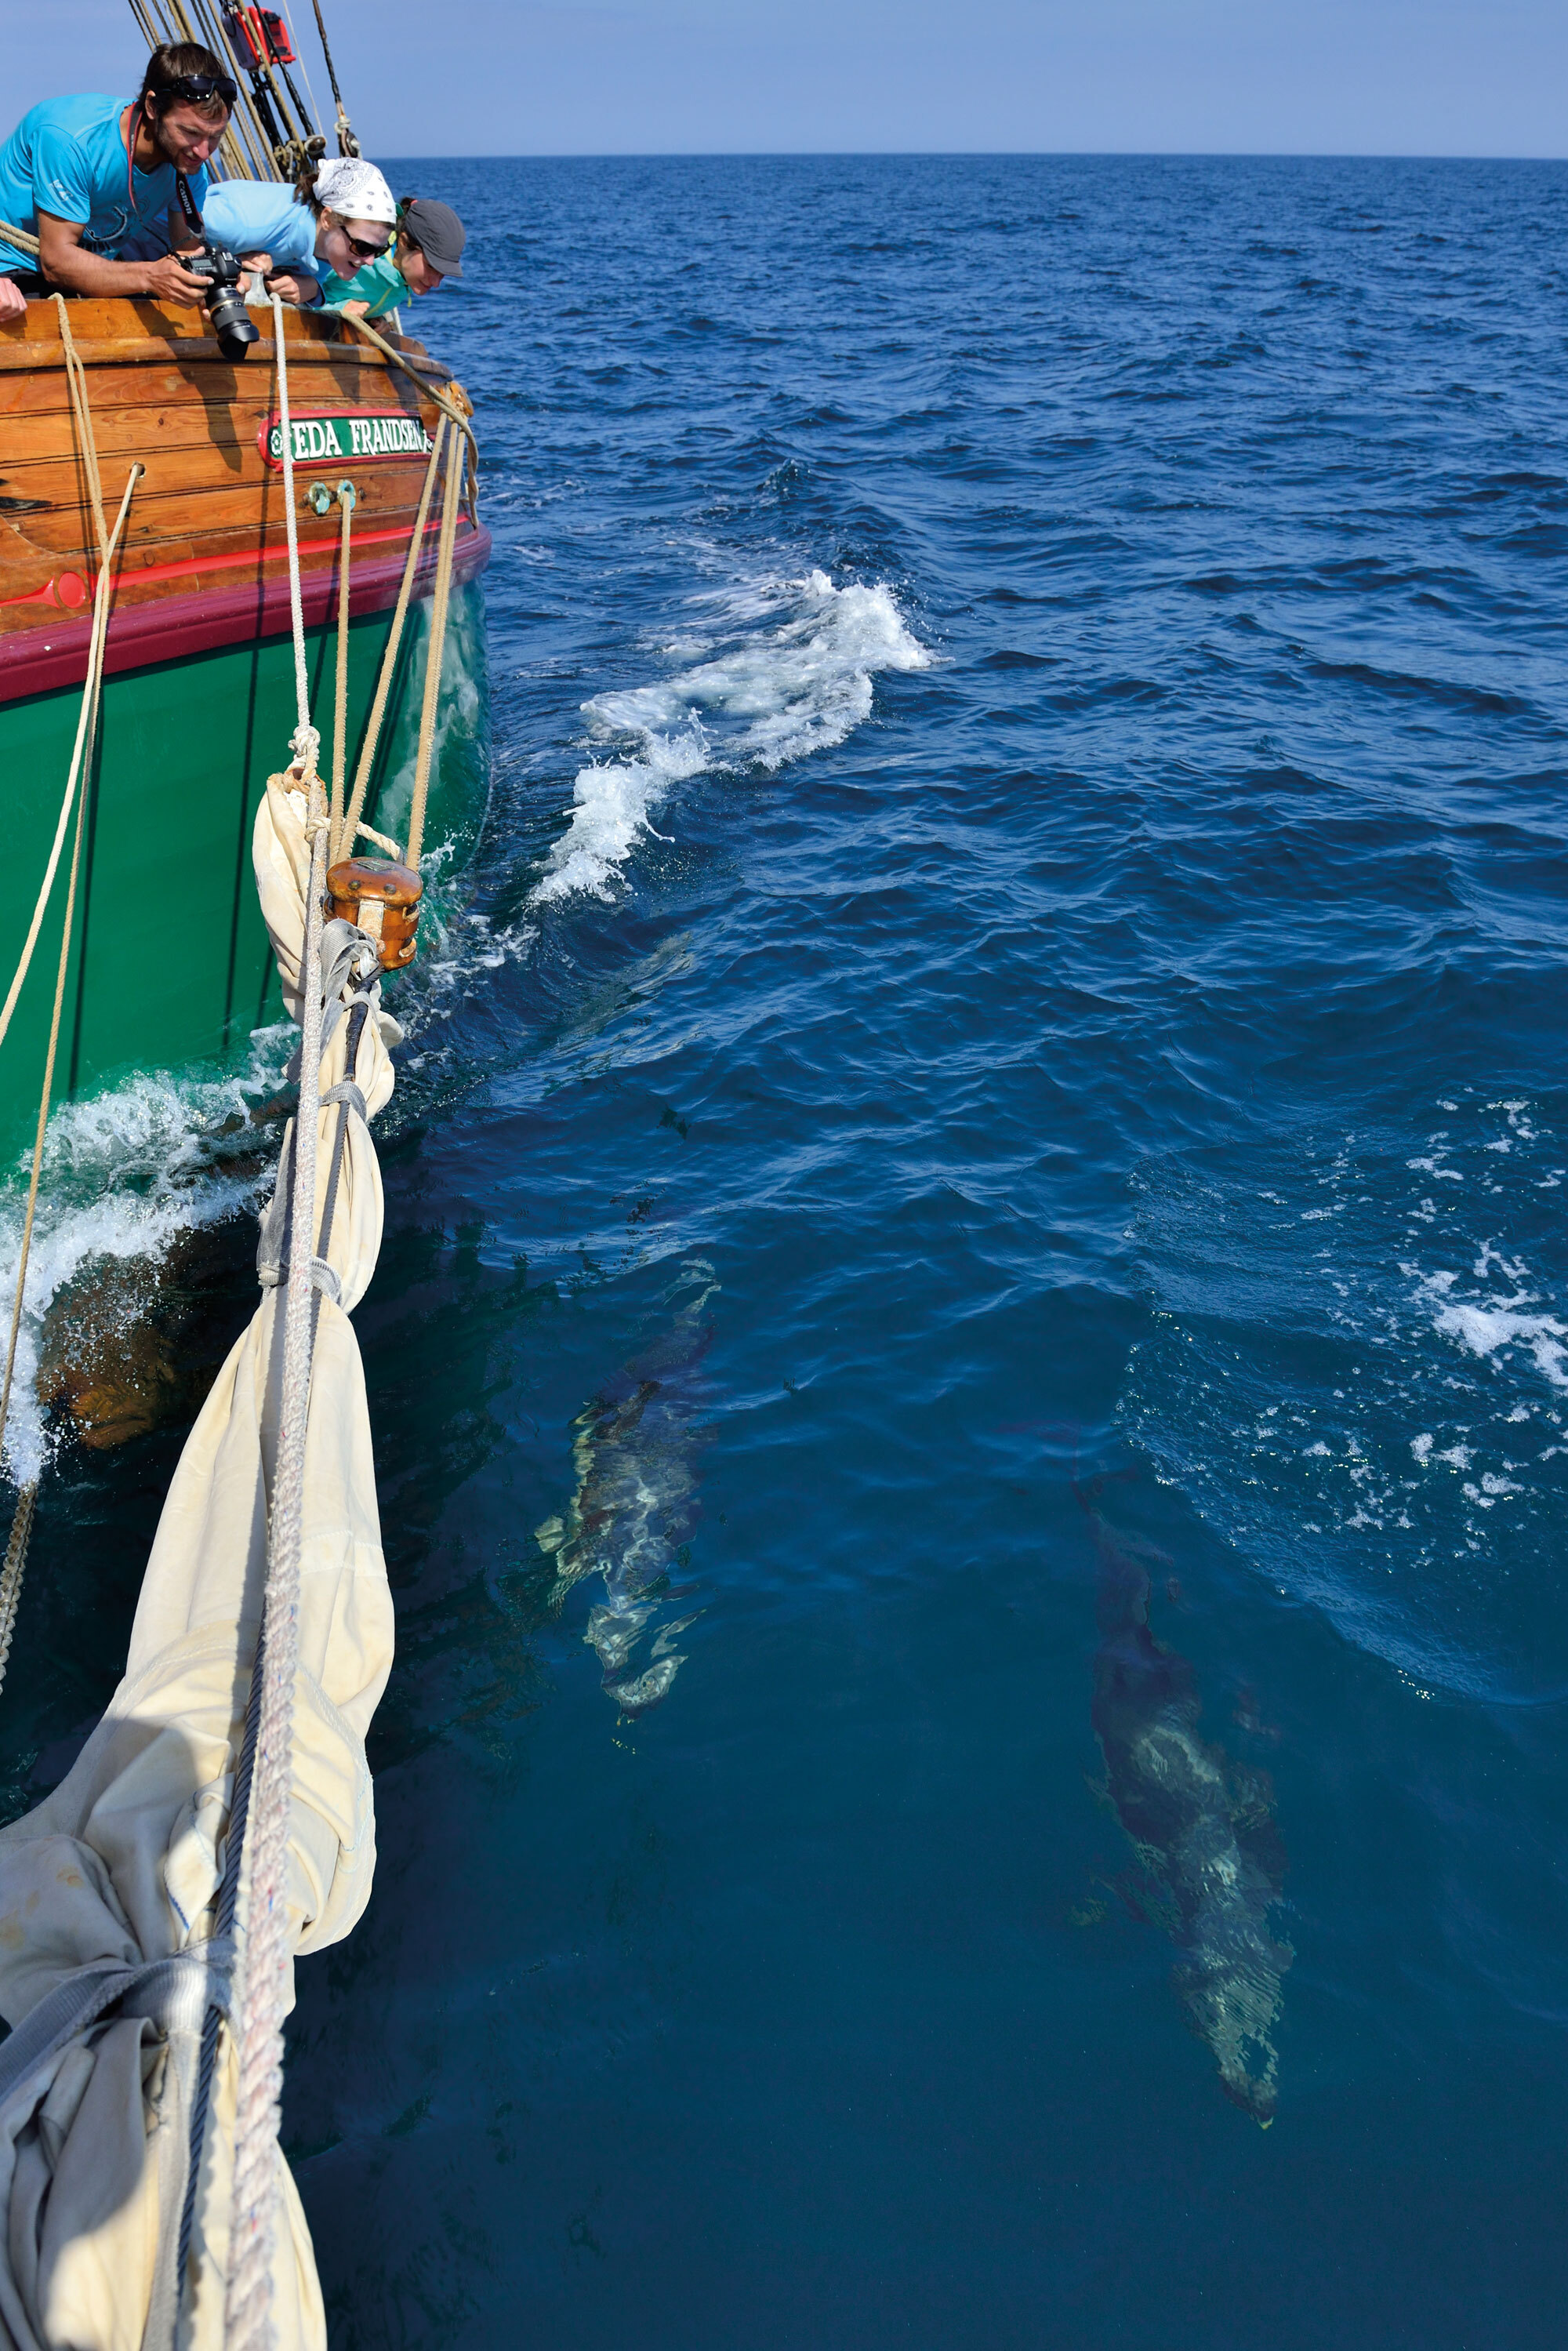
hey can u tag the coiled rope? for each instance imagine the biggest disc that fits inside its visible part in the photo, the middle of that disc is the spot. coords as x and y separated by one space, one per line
265 1831
16 1562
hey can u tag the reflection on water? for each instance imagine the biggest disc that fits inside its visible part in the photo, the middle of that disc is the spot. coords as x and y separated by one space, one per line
635 1451
1201 1825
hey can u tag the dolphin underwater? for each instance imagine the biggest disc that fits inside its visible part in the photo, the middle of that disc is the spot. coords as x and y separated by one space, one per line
1201 1825
636 1455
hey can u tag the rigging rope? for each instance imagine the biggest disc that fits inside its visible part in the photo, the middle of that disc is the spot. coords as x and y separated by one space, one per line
305 742
75 380
435 649
254 1878
80 769
351 822
448 408
347 143
340 708
255 1882
265 1831
11 1573
16 1550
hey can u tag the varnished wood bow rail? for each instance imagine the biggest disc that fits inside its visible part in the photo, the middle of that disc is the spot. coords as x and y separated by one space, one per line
203 558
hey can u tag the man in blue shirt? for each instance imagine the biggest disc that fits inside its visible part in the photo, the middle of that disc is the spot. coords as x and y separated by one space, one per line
83 174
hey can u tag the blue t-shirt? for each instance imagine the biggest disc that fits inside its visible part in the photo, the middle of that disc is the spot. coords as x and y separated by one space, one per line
261 217
67 157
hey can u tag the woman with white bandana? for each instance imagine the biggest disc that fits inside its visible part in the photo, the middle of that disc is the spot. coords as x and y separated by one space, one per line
337 216
428 247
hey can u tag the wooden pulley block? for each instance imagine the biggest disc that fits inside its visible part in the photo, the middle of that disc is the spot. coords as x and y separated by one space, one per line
383 900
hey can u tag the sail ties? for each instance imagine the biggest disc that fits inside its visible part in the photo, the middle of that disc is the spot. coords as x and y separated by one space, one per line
263 1833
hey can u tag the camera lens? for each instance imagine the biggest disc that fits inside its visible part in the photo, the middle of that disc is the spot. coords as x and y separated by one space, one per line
232 322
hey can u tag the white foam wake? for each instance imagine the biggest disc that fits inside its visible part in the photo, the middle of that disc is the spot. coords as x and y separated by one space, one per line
123 1174
1492 1323
780 694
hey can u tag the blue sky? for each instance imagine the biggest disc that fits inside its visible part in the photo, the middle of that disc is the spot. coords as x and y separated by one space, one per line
502 76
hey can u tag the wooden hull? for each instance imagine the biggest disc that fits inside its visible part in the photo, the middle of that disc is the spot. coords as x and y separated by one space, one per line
170 964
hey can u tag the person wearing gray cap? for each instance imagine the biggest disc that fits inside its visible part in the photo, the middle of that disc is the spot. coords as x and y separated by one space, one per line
428 246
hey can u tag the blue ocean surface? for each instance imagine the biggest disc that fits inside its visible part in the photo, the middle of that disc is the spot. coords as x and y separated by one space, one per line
970 1364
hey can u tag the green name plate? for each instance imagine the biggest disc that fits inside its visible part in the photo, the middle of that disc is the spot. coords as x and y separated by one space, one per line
337 439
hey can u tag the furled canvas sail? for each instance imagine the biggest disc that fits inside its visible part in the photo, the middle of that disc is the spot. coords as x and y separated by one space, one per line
122 1865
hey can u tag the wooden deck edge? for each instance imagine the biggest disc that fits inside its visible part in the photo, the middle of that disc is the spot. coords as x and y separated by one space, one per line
123 351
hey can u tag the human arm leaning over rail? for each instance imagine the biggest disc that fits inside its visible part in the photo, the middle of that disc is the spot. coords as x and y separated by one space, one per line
72 166
294 287
12 302
272 234
66 263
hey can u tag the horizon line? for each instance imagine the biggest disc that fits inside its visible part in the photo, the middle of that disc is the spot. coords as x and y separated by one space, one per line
968 155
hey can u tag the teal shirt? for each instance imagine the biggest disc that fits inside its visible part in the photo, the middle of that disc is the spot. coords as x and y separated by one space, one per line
67 157
381 282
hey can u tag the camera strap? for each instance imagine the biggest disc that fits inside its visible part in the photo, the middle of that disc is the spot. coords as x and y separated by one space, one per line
187 203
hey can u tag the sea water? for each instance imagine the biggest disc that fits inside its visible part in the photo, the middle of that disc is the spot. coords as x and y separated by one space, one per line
970 1365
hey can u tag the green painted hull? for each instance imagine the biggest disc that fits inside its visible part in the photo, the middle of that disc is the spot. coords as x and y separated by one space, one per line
170 966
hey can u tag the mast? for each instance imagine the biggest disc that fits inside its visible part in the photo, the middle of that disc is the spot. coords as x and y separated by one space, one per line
273 131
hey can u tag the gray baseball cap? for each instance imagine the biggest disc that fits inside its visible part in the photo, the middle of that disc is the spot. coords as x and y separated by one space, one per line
438 232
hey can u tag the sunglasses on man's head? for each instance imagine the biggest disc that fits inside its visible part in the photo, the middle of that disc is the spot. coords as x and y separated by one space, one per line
366 252
198 88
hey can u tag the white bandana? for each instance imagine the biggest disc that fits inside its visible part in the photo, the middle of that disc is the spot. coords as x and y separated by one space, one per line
355 190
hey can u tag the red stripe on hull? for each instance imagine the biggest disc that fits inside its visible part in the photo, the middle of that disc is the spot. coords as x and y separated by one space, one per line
54 654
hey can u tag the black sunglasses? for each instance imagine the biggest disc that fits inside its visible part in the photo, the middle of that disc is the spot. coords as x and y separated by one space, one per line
366 252
197 88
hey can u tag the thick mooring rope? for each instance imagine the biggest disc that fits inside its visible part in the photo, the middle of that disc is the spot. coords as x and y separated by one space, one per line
343 842
341 704
11 1573
76 379
86 731
437 648
305 742
264 1907
394 357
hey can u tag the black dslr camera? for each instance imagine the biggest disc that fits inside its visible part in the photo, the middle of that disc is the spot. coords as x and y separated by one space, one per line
225 304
